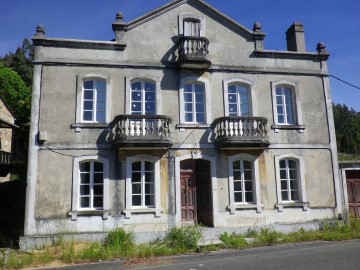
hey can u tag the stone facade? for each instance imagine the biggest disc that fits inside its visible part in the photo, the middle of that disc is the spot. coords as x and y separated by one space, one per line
7 122
184 118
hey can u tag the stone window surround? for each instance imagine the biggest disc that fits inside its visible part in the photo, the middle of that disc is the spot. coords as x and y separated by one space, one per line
302 191
183 17
129 209
75 208
251 88
205 82
256 178
294 86
143 77
79 123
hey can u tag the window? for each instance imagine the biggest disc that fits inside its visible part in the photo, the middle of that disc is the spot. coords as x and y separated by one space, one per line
290 182
243 181
142 184
244 186
191 28
194 103
238 100
94 101
91 185
143 98
285 106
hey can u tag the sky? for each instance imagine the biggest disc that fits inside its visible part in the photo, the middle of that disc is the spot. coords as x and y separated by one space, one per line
334 22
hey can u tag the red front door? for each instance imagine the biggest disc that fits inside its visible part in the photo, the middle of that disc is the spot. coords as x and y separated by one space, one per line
188 191
353 189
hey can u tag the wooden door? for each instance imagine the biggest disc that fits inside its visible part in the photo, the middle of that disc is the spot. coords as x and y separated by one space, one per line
353 189
188 191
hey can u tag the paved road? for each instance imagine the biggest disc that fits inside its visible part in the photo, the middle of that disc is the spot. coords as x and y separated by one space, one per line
344 255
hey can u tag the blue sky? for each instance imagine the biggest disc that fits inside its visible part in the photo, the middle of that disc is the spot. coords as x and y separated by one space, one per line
334 22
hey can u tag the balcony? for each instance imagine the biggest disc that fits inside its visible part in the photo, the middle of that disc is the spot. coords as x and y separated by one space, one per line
241 132
193 52
5 158
142 131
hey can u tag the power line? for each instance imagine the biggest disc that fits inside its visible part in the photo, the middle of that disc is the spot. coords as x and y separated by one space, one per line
341 80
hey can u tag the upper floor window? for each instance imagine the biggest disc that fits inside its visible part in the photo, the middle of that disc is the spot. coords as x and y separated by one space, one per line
91 185
94 100
194 103
191 27
143 98
285 105
238 100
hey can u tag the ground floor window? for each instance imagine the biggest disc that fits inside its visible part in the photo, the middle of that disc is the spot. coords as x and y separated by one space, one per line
142 184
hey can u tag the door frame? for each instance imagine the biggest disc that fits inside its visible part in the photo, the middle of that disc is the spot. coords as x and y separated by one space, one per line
343 169
214 196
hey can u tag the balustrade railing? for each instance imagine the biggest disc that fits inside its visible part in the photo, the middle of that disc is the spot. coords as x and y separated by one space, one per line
241 127
5 157
193 46
146 126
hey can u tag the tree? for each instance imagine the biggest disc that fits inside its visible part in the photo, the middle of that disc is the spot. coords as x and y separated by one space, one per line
21 61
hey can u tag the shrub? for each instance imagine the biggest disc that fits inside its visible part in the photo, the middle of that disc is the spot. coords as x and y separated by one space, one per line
184 238
121 242
268 237
233 241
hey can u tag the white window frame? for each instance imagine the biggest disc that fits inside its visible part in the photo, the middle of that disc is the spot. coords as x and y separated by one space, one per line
194 80
80 123
302 202
189 17
251 91
76 209
294 87
157 178
256 204
143 78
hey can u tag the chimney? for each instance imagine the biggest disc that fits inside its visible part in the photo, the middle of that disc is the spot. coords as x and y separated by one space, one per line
119 27
295 38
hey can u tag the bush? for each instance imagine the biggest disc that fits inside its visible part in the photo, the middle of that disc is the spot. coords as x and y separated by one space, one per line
233 241
268 237
120 242
184 238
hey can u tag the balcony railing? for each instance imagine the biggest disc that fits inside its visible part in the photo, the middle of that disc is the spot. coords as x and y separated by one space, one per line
142 131
237 131
193 52
5 157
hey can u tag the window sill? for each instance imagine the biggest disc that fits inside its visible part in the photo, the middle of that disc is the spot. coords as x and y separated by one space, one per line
79 126
299 128
233 207
184 126
104 213
303 205
129 212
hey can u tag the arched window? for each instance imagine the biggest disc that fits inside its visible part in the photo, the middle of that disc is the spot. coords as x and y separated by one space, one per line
143 98
94 100
91 189
194 103
238 100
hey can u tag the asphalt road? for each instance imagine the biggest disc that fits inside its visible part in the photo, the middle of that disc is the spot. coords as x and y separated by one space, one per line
342 255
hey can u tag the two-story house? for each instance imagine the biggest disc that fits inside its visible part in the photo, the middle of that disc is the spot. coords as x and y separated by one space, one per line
184 118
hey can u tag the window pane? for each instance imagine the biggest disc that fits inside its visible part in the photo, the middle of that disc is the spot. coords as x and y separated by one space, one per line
136 86
282 174
199 89
248 186
100 105
188 88
232 98
287 92
98 190
236 165
237 186
284 195
150 108
295 195
199 107
237 175
249 197
88 94
244 109
188 97
243 92
233 108
199 98
149 189
149 177
98 178
136 200
188 117
248 175
200 118
88 105
232 89
136 188
88 116
100 116
279 100
292 164
188 107
283 185
293 174
281 119
101 85
84 190
247 165
136 106
150 96
84 202
282 164
88 85
149 166
136 166
294 184
238 197
149 200
280 109
85 167
136 96
98 167
98 202
101 95
149 87
85 178
278 91
136 177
